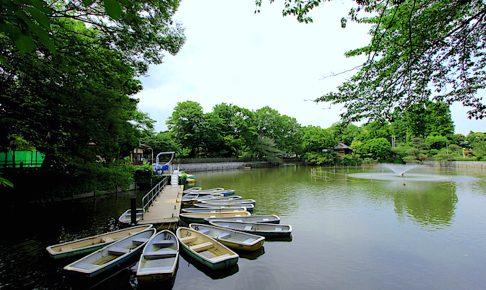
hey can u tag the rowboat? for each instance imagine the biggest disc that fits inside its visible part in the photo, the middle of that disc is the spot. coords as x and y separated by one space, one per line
230 202
91 244
206 250
218 190
126 217
192 198
110 256
269 219
159 258
217 197
213 209
261 229
230 238
249 207
198 217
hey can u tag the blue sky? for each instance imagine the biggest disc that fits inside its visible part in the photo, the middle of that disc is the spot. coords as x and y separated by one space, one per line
235 56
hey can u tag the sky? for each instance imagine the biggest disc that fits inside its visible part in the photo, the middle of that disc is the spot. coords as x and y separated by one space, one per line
235 56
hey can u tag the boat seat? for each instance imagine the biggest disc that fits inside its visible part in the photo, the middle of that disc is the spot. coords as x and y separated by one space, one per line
248 228
265 219
188 239
86 266
220 258
248 241
107 240
224 236
140 240
278 229
201 247
160 254
164 243
65 249
118 251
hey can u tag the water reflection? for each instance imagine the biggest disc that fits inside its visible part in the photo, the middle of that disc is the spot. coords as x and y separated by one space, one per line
432 209
213 274
253 255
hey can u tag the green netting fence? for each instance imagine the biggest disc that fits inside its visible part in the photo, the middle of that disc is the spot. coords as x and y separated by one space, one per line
21 159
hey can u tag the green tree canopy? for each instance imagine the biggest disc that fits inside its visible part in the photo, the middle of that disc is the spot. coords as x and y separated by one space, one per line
73 104
420 50
186 123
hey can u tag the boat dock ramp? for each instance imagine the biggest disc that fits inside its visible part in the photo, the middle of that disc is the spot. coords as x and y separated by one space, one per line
162 205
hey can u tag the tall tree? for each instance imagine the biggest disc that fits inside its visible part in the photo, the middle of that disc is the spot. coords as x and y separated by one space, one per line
238 130
73 104
142 29
186 123
420 50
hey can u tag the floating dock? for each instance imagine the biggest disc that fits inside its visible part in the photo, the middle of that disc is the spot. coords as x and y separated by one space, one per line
164 211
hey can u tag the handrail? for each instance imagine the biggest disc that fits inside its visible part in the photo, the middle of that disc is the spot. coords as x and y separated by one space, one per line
153 193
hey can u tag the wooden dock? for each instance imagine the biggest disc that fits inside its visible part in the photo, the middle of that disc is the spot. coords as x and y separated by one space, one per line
164 211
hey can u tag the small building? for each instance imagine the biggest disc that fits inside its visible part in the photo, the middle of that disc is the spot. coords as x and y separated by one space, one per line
343 149
141 154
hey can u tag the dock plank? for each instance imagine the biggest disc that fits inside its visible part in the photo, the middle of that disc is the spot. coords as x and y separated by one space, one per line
165 208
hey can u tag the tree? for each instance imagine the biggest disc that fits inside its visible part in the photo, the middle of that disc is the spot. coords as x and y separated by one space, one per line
143 29
318 145
186 123
73 105
238 129
284 130
419 50
377 148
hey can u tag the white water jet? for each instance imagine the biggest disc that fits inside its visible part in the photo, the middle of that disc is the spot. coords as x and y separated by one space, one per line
399 169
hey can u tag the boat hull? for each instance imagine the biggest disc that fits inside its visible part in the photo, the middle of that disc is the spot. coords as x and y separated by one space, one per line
224 258
102 261
213 266
90 244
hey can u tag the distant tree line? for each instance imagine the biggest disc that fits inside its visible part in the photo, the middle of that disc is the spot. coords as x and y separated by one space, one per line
424 132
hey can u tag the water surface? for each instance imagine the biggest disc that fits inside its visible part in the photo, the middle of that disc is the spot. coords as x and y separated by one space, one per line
349 233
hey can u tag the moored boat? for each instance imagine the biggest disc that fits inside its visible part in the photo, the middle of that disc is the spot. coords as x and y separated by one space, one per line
126 217
261 229
269 219
110 256
217 197
92 243
230 202
159 258
249 207
198 217
218 190
233 239
192 198
206 250
213 209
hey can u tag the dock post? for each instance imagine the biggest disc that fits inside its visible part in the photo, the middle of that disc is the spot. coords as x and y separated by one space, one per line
133 209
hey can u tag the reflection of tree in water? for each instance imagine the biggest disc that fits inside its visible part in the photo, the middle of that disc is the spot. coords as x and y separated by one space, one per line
431 208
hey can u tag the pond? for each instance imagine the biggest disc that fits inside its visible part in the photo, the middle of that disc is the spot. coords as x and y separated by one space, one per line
348 232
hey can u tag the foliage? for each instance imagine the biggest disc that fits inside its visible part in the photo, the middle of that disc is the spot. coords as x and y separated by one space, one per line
349 160
316 139
185 124
282 129
419 50
376 148
5 182
72 99
320 158
265 148
436 141
143 29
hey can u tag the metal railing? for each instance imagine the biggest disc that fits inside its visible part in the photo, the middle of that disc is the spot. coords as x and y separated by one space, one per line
152 194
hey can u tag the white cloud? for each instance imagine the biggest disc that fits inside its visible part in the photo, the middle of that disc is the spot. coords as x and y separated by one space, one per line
253 60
